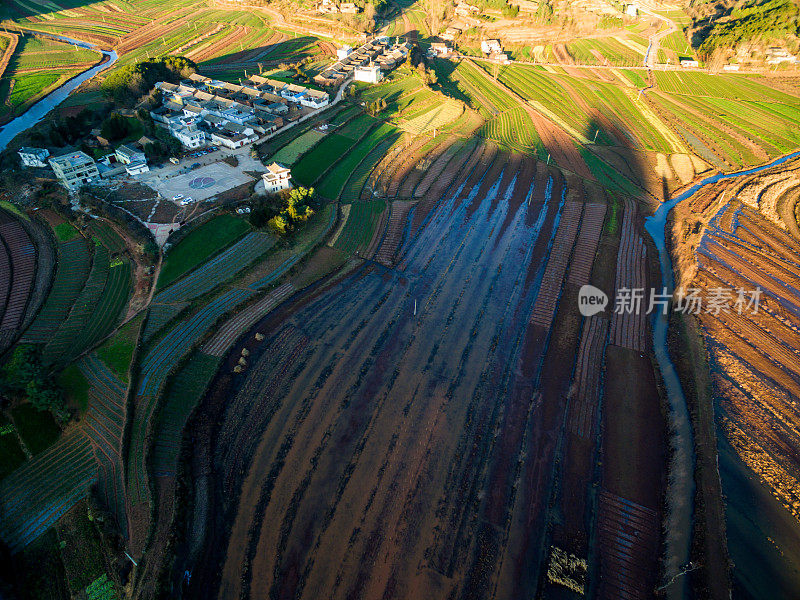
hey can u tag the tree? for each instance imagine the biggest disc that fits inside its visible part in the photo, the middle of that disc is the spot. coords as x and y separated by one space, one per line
24 375
115 127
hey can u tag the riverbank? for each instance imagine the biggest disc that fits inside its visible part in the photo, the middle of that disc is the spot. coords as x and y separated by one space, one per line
42 107
709 571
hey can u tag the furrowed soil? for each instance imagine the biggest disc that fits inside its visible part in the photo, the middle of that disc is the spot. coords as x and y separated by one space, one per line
396 432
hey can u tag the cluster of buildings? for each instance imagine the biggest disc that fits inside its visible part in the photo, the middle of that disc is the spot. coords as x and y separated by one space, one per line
368 63
493 49
200 111
75 169
334 8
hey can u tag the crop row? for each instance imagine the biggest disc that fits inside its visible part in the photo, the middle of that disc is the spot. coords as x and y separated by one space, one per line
81 311
355 184
228 332
629 328
552 281
360 226
104 423
221 268
513 129
74 264
335 179
22 256
110 308
182 394
105 234
490 96
38 493
156 366
598 51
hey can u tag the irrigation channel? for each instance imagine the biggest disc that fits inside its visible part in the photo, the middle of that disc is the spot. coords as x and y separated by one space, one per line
680 490
38 111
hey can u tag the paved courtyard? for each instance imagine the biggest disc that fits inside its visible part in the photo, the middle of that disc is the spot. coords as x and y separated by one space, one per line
201 183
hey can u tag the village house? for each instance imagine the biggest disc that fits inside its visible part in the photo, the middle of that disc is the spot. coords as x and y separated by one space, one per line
127 155
343 52
277 178
348 8
491 47
74 170
33 157
368 74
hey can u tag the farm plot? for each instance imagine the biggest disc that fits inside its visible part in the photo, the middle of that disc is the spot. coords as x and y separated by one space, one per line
360 227
629 327
580 268
728 86
315 162
182 394
74 265
550 290
401 467
431 118
45 267
37 67
104 424
156 365
297 147
199 245
514 130
20 265
37 494
82 311
601 51
330 186
221 268
355 186
244 320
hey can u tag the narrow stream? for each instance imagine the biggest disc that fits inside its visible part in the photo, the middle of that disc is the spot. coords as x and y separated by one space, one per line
680 489
38 111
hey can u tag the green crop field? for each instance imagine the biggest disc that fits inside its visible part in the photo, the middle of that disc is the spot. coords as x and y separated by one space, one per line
331 185
729 86
308 169
200 245
360 226
73 269
355 183
297 147
182 394
553 92
514 129
117 352
598 51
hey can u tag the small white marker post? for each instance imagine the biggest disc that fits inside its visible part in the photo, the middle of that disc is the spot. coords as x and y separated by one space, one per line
135 564
596 131
548 158
415 307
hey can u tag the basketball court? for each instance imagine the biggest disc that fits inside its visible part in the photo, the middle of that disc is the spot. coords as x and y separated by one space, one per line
201 183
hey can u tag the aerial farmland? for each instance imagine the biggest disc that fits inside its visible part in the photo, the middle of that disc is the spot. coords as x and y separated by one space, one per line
390 299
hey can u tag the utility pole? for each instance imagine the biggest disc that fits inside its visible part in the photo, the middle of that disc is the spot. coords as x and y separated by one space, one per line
596 131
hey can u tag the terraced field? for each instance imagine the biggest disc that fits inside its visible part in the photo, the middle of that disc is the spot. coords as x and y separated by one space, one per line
747 245
36 67
414 411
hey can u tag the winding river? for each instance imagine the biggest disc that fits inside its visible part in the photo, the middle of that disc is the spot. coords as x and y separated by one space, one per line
38 111
680 489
